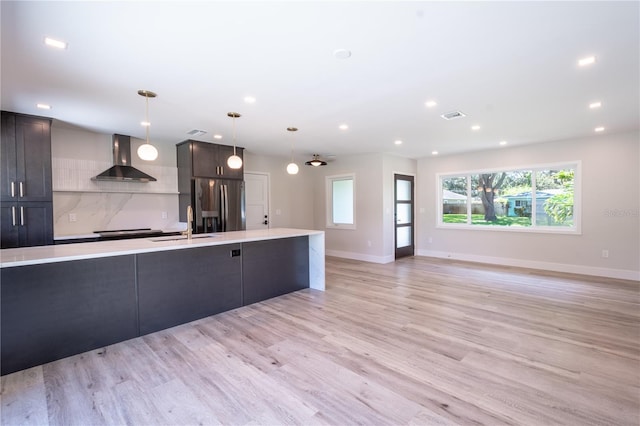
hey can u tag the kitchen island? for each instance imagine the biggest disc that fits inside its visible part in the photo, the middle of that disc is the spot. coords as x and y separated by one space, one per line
61 300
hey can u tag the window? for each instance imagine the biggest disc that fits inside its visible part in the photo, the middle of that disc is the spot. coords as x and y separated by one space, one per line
537 198
341 201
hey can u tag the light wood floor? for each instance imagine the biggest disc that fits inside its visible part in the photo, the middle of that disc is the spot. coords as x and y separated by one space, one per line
416 342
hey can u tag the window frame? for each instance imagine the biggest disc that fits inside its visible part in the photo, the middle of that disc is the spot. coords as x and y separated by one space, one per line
575 229
329 200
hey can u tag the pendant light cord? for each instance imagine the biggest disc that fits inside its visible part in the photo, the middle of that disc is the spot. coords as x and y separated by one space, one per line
147 114
234 135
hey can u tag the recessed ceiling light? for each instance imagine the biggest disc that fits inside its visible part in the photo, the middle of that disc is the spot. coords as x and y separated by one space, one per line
342 53
430 104
58 44
217 136
503 143
599 129
398 142
587 61
594 105
249 99
145 123
343 127
434 152
43 106
475 127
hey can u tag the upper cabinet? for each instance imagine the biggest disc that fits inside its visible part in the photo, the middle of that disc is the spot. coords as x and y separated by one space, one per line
26 207
26 158
208 160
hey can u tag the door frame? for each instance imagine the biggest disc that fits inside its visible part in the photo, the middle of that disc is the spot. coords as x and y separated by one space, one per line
409 250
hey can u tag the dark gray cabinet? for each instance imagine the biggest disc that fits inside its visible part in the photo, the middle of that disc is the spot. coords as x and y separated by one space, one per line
55 310
206 160
26 224
178 286
25 181
26 158
287 261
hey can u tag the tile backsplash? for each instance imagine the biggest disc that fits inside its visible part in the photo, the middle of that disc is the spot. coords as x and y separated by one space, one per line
82 206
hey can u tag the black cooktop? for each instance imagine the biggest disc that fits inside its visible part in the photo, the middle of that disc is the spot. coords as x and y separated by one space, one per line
119 234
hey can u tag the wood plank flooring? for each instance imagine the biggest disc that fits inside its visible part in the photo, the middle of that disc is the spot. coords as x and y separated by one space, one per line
416 342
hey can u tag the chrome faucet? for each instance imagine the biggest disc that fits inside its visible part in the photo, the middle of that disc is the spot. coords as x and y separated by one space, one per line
188 232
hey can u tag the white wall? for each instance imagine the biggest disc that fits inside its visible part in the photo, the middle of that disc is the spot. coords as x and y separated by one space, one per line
291 202
372 240
610 210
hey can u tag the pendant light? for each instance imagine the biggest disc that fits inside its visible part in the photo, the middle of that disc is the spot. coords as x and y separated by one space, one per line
234 161
316 161
292 168
146 151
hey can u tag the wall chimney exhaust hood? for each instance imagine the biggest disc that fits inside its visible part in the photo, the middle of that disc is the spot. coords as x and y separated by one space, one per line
121 169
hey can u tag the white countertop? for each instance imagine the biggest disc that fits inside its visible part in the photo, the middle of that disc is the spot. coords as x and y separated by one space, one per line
64 252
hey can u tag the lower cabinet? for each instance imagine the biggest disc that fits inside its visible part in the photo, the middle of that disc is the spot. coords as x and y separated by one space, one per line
26 224
178 286
54 310
287 263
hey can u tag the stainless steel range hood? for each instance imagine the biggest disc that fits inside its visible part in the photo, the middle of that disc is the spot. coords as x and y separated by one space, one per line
122 169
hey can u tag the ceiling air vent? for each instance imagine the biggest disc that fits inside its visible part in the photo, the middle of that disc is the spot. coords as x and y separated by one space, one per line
453 115
196 132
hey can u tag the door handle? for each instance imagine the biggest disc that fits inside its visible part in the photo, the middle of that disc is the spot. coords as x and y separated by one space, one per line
21 189
13 189
13 215
21 216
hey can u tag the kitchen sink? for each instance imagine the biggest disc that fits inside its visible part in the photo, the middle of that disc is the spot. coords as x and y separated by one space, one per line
180 237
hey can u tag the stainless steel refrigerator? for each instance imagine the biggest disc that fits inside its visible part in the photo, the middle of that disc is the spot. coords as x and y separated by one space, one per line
218 205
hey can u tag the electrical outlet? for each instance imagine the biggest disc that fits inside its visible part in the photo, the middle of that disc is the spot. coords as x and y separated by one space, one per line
605 254
73 217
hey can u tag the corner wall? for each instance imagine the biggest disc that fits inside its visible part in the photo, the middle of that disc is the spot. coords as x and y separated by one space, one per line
610 210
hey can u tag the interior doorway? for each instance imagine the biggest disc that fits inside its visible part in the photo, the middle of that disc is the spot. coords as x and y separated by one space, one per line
403 215
256 192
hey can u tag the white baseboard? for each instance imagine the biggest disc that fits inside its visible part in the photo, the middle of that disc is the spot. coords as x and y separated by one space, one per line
360 256
532 264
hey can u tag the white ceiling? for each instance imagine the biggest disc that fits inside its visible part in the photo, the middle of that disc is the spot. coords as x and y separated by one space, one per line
511 67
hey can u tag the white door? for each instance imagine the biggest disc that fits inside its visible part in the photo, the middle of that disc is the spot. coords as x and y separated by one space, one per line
256 192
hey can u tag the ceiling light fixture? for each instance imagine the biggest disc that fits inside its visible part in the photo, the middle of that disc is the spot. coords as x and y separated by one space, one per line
234 161
292 168
58 44
430 104
146 151
217 136
343 127
599 129
503 143
434 152
475 127
316 161
398 142
43 106
587 61
594 105
249 100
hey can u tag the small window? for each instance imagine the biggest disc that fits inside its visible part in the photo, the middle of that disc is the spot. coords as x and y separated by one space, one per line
341 201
